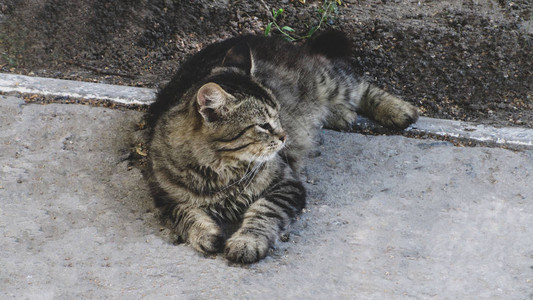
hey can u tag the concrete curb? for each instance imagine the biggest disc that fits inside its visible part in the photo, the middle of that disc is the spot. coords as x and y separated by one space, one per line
515 137
126 95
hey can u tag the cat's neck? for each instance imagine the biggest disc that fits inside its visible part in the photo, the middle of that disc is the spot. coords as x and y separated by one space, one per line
228 179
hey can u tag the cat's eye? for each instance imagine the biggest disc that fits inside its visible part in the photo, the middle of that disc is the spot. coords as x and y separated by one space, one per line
266 126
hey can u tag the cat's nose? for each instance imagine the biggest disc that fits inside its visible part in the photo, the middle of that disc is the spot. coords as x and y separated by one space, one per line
283 138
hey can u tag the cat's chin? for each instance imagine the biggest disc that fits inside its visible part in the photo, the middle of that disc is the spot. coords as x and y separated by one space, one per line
261 158
270 157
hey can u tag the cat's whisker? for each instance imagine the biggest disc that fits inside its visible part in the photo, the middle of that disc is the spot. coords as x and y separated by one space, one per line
245 175
254 173
248 176
256 167
248 166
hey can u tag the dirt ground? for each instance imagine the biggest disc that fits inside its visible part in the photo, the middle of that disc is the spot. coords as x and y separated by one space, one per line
468 60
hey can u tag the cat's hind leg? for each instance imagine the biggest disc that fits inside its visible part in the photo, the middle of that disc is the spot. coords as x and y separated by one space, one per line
336 90
342 117
385 108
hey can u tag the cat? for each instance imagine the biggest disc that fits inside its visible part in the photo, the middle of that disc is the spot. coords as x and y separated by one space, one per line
231 130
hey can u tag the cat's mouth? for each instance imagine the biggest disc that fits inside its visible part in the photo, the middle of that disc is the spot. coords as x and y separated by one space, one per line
271 150
263 153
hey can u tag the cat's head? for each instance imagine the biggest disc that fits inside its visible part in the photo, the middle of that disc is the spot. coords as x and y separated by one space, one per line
240 117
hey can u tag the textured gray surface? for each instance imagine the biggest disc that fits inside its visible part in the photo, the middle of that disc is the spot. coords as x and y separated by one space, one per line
388 218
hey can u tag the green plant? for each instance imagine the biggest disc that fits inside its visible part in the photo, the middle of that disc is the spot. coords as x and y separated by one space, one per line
10 62
5 58
326 11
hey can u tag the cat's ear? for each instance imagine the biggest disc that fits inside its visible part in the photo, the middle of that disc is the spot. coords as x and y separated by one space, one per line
239 56
211 99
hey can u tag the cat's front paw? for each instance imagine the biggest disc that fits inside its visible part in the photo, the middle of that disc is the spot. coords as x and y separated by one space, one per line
207 240
246 248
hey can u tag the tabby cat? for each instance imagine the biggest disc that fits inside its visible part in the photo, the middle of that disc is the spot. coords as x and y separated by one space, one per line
232 128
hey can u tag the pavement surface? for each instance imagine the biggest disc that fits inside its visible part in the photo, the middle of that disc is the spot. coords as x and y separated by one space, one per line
388 217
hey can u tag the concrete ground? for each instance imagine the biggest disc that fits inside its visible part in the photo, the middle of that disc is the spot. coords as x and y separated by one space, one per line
388 217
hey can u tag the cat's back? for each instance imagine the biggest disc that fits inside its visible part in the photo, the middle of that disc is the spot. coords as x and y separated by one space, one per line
273 51
198 66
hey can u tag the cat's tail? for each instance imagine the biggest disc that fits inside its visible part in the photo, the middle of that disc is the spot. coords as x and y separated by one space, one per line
331 43
385 108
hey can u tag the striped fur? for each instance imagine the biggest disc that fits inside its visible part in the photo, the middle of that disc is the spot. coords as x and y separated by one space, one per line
232 128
